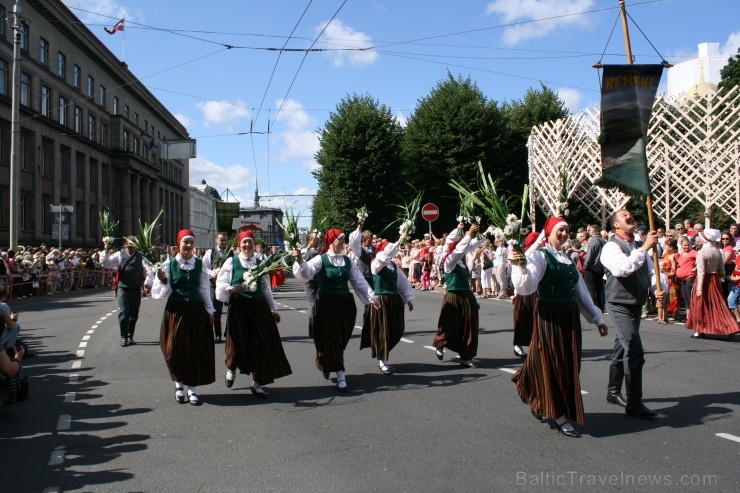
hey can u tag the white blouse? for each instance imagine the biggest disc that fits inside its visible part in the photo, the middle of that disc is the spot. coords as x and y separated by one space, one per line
467 244
306 270
161 291
383 260
223 281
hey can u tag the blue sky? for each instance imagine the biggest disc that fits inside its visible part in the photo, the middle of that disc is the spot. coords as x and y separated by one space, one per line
178 49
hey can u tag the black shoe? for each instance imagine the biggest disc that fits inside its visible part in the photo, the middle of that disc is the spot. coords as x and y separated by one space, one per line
520 353
131 341
440 354
218 339
124 341
569 433
344 389
180 398
639 411
468 363
259 392
697 336
616 399
326 374
229 383
538 417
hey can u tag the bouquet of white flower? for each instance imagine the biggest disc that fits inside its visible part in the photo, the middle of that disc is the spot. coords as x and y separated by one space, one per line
270 264
290 230
145 244
406 221
362 214
108 226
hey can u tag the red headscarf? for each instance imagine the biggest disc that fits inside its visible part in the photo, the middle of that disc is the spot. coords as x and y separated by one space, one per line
552 223
184 233
242 235
381 246
331 236
531 238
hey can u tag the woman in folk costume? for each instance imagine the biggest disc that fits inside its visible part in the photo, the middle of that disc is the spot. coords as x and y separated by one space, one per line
709 312
548 381
383 328
524 308
252 341
457 328
186 337
335 310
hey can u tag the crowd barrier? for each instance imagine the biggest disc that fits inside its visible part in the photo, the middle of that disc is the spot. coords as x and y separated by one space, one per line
50 282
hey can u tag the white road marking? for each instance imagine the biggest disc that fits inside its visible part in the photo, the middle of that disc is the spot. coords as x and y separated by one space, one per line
76 364
358 326
430 347
728 437
91 331
83 344
51 489
86 338
57 457
508 370
70 397
80 353
407 340
65 421
94 326
584 392
301 311
103 318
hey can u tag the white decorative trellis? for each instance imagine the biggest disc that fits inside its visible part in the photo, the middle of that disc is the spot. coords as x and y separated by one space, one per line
693 152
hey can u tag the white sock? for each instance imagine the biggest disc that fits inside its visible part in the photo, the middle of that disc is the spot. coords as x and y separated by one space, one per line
696 334
381 363
255 384
341 379
178 385
517 348
230 375
561 420
192 390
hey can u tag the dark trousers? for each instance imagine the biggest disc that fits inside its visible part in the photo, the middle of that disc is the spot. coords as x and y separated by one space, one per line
219 306
595 285
129 301
686 287
628 351
312 288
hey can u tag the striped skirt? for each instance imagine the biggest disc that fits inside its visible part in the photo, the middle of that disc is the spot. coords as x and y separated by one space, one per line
333 323
548 381
186 340
457 328
709 312
524 310
253 342
383 328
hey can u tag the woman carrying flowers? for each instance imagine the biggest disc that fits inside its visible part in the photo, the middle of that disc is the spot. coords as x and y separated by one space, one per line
252 342
335 309
185 337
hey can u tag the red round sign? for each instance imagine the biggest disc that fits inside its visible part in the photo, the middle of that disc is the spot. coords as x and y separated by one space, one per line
430 212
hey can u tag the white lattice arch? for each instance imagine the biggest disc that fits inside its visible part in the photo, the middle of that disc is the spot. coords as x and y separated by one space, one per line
693 153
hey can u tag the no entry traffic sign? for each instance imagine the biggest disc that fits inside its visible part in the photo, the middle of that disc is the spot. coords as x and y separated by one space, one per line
430 212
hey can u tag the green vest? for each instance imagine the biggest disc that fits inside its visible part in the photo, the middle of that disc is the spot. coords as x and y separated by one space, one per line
185 283
237 278
558 285
332 279
385 282
458 279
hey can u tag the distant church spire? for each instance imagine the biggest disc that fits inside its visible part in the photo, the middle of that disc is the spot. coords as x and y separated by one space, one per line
256 195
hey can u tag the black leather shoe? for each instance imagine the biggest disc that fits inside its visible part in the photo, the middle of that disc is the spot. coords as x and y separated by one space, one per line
616 399
218 339
229 383
326 374
180 398
259 392
124 341
573 433
639 411
440 354
131 341
697 336
538 417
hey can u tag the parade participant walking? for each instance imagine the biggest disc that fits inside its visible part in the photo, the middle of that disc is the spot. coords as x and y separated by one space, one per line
335 309
549 380
185 337
457 327
253 341
212 262
312 285
524 309
627 268
709 311
130 276
384 327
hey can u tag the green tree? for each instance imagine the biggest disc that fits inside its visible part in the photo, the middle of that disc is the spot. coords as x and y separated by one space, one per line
451 129
359 157
730 74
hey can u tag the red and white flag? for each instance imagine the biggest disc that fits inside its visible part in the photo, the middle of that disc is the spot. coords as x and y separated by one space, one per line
117 27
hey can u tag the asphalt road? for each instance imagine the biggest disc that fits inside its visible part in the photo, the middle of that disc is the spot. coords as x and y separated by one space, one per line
103 418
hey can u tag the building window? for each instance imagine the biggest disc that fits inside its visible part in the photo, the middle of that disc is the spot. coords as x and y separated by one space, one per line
91 127
24 36
44 51
93 174
62 65
3 77
115 105
136 119
66 159
137 146
45 101
101 100
25 89
81 170
80 218
76 76
2 24
62 110
78 120
125 111
105 175
104 134
90 86
125 140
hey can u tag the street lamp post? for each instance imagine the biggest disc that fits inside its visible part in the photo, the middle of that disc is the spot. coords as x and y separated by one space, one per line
15 130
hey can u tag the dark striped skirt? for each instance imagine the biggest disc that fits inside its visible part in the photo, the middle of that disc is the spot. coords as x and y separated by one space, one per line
457 328
333 323
383 327
186 340
549 381
524 310
253 342
709 313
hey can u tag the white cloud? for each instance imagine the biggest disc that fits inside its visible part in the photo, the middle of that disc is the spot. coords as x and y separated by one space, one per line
571 97
525 10
186 121
300 140
100 11
732 45
338 36
223 112
402 119
236 177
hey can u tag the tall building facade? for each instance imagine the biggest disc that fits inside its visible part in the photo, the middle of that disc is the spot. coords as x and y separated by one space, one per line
90 134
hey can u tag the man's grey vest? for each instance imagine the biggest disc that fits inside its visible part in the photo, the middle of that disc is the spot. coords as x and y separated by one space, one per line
133 276
629 290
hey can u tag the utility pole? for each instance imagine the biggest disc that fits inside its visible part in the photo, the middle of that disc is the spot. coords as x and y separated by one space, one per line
15 130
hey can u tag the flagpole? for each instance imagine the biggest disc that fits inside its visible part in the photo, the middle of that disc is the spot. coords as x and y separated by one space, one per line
649 199
124 40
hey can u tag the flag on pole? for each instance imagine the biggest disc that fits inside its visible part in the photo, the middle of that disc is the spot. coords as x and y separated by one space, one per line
627 96
118 26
